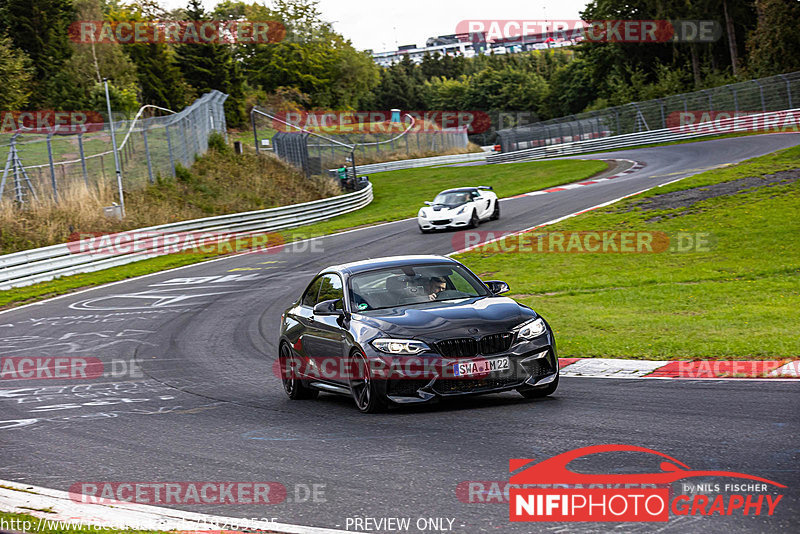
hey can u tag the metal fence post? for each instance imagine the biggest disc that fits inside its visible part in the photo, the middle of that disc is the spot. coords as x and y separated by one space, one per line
761 91
52 167
710 101
147 152
182 127
255 131
83 159
169 149
788 89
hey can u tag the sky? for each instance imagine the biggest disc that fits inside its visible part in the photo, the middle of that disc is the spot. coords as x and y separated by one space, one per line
381 25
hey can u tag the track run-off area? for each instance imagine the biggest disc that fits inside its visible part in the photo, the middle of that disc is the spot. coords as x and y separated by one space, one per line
192 395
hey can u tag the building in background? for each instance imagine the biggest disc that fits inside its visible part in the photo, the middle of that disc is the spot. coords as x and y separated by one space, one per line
472 44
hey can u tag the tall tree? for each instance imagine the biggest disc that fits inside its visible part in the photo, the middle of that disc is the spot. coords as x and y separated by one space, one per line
159 78
40 29
774 46
209 66
16 73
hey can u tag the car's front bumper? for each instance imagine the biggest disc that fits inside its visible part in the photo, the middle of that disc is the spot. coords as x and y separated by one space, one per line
531 365
449 220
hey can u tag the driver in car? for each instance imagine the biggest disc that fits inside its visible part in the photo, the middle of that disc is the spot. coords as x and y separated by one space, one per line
436 284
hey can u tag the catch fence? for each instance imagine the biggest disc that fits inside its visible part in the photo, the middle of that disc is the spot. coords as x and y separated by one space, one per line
776 93
38 164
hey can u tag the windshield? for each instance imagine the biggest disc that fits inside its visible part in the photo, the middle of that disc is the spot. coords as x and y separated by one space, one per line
452 199
402 286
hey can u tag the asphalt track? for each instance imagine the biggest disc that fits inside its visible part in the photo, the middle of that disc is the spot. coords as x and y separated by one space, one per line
207 406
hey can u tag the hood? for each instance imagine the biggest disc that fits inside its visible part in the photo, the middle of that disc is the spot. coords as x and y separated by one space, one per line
443 207
434 321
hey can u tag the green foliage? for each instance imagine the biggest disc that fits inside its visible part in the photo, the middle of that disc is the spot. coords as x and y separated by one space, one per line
216 141
774 45
39 29
16 73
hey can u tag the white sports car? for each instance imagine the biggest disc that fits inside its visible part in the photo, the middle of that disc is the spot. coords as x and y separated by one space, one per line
462 207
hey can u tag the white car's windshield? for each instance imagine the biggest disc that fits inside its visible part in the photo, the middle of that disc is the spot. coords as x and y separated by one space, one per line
452 199
400 286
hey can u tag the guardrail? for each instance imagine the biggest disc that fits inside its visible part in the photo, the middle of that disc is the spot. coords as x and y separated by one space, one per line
420 162
40 265
704 129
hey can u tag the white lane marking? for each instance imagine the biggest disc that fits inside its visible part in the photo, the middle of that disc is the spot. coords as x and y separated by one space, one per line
791 369
623 377
18 498
610 367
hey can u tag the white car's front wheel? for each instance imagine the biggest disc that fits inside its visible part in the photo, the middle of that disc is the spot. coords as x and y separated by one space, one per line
496 212
474 221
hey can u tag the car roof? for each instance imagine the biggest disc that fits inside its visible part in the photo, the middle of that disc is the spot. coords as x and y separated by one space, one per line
388 262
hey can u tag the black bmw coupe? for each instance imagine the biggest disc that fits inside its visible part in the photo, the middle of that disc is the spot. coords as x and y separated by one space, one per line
412 329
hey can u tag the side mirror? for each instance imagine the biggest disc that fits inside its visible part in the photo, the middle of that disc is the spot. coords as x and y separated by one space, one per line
428 203
328 307
497 287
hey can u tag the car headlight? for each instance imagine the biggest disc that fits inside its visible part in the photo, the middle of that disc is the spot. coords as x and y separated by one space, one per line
422 214
531 329
461 210
400 346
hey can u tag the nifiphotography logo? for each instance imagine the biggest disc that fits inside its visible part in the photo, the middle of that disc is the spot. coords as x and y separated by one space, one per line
549 491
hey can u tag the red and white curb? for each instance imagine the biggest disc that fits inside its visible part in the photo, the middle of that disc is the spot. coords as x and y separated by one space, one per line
635 166
681 369
55 505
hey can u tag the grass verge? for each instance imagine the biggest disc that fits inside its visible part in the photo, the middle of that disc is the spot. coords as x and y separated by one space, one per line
735 296
398 195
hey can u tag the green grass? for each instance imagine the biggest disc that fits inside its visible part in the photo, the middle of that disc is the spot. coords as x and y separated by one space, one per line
398 195
29 523
737 299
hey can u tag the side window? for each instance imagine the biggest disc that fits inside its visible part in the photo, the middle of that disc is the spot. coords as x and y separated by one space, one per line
331 288
310 296
460 283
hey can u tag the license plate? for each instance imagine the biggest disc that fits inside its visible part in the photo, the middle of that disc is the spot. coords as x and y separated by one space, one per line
481 367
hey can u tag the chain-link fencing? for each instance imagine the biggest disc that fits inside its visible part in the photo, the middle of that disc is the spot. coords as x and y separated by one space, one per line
40 165
776 93
322 153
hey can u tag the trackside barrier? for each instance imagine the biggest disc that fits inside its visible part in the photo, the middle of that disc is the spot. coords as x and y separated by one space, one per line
40 265
420 162
704 129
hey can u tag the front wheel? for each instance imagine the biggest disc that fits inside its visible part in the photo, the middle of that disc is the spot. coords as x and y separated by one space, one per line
537 392
365 394
474 221
423 231
292 384
496 212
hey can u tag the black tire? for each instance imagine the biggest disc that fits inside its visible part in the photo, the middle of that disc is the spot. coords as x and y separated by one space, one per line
496 212
474 221
293 386
423 231
365 394
537 392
